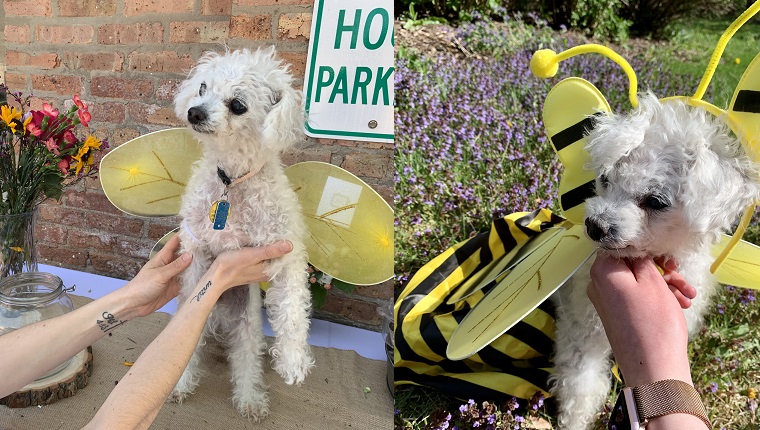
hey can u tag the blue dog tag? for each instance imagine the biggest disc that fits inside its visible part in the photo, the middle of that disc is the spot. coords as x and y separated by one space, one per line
220 210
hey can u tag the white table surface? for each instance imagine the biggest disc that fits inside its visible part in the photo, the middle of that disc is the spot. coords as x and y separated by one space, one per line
368 344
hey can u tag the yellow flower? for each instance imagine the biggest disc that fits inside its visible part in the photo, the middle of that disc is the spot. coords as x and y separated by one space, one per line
84 156
738 60
751 393
10 116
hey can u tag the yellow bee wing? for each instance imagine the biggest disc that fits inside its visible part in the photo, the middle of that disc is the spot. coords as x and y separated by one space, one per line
147 175
500 267
568 116
521 291
742 267
744 110
350 225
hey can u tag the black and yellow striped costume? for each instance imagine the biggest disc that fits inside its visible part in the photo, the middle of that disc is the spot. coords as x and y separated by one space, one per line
515 364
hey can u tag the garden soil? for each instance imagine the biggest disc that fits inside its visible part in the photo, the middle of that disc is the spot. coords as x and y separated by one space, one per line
332 397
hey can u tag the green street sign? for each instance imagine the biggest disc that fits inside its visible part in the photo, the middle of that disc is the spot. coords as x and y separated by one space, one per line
349 71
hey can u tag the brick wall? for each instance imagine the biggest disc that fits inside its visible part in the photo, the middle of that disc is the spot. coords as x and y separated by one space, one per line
125 59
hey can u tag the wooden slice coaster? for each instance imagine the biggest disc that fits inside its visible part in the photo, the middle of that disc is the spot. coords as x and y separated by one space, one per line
63 384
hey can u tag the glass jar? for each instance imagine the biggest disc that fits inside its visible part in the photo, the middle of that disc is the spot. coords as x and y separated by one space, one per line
27 298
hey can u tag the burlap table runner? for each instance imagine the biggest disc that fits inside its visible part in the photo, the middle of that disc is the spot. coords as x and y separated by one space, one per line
333 396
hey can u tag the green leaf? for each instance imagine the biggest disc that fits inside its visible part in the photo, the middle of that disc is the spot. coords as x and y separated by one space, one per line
741 330
52 185
318 296
343 286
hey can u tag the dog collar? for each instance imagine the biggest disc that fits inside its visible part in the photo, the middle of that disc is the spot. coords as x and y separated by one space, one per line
229 183
220 209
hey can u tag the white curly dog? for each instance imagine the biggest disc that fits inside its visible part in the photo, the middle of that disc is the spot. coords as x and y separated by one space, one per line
243 110
670 180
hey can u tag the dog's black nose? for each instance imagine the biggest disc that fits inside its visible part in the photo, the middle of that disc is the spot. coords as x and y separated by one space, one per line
595 231
196 115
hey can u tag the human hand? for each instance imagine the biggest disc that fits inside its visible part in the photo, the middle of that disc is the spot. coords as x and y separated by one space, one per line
157 282
246 265
682 290
642 317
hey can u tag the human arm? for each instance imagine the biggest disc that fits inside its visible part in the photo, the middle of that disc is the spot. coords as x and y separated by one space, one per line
140 394
62 337
645 325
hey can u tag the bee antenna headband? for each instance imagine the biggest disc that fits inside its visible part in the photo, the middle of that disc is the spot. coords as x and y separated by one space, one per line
545 64
721 46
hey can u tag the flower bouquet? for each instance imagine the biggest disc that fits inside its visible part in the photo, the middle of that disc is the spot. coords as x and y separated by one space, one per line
40 154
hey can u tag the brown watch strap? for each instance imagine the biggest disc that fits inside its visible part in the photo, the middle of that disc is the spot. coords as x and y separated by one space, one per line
669 396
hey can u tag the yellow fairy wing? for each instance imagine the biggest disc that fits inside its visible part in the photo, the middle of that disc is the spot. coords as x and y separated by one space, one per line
521 291
742 267
350 225
498 269
744 109
568 116
147 175
162 242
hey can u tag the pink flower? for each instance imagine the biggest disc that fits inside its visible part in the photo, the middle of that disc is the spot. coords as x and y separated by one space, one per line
48 110
84 111
84 117
52 147
34 129
64 165
80 104
69 137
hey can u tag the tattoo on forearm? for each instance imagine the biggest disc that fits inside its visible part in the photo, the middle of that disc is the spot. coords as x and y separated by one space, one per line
109 322
202 292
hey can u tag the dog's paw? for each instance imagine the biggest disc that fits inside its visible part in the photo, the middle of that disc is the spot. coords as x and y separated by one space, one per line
253 409
293 367
176 396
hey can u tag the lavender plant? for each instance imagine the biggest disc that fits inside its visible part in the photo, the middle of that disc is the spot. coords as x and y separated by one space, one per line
470 143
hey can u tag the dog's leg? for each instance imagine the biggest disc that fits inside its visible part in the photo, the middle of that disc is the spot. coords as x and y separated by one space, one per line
288 303
192 375
246 346
581 361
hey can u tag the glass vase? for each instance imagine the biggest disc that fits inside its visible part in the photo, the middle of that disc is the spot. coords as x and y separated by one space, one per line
18 253
31 297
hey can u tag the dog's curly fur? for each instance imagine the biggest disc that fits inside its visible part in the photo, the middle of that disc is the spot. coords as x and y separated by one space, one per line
670 180
243 110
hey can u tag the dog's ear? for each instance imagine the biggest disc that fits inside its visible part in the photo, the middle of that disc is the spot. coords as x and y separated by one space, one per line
284 123
723 181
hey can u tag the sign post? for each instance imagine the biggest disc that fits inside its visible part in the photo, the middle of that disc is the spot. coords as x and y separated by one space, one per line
349 71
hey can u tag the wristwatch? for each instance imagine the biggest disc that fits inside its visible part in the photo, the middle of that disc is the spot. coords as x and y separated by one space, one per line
636 406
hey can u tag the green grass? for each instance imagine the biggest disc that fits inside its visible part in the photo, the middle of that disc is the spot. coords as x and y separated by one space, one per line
726 356
692 45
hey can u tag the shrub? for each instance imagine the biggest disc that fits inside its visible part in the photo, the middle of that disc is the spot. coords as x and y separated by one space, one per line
449 9
600 19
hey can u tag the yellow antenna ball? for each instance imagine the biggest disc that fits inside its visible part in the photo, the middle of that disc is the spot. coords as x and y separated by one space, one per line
544 63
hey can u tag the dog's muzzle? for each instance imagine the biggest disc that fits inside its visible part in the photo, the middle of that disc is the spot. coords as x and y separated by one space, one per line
198 119
598 230
196 116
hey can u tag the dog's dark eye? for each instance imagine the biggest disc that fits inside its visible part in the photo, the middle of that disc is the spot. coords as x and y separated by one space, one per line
654 202
237 107
202 90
